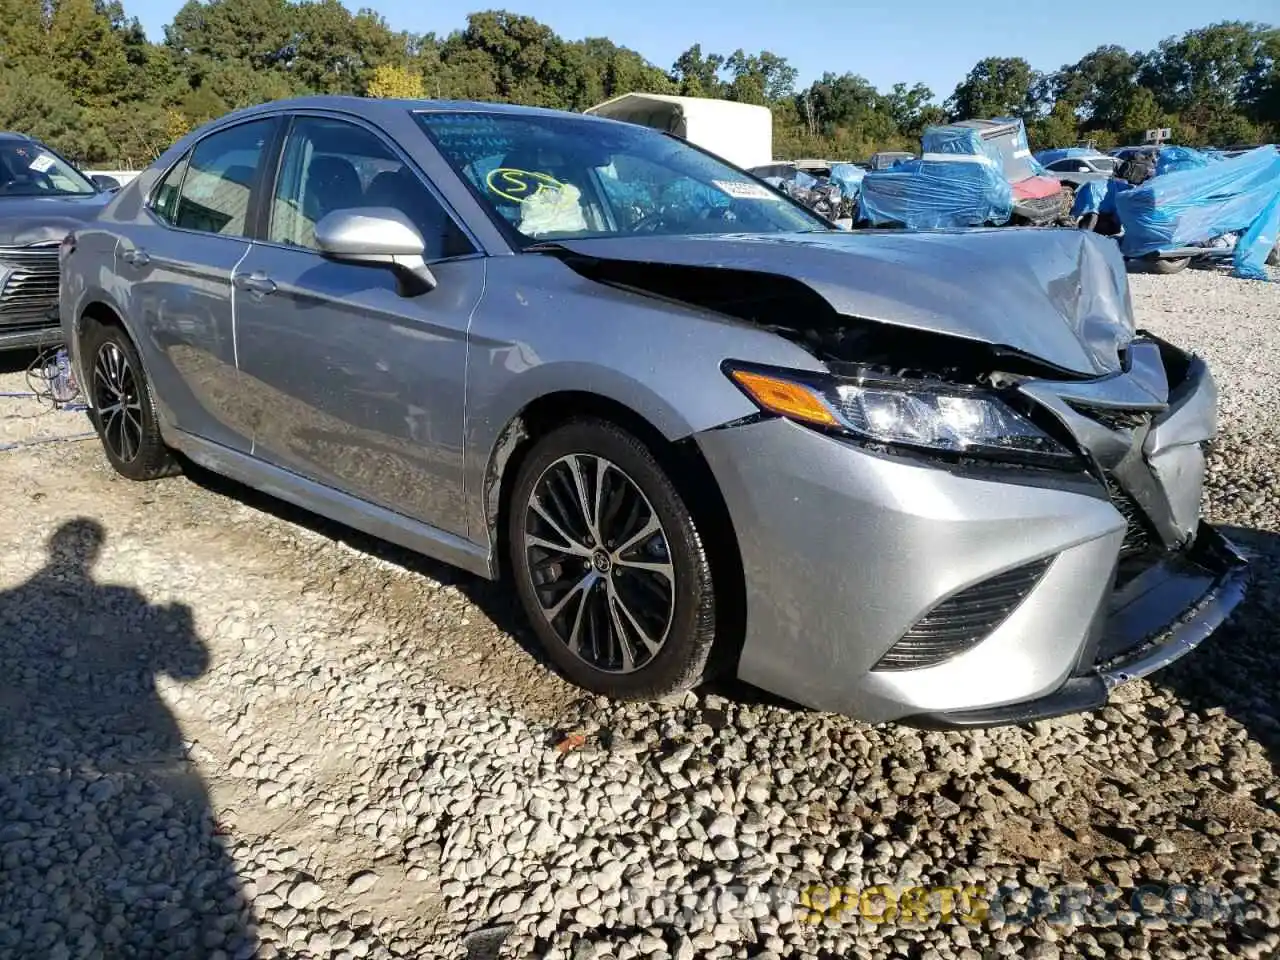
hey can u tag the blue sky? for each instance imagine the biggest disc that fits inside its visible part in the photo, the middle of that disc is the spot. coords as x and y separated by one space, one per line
931 41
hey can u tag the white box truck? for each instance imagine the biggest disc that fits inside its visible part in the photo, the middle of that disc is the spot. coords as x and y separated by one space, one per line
741 133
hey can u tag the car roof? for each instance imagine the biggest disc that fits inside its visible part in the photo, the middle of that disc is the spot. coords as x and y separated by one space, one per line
375 106
10 135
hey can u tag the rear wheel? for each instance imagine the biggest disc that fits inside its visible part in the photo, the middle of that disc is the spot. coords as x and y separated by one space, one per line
609 564
123 410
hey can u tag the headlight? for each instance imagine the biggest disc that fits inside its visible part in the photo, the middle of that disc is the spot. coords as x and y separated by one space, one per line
915 414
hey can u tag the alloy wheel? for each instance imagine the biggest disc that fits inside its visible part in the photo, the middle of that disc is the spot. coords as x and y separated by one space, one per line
118 402
600 563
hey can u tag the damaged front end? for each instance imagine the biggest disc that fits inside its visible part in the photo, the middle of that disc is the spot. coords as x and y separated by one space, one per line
1176 578
1139 435
1004 399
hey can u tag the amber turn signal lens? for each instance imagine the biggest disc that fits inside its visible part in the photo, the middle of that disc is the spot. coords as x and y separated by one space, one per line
785 398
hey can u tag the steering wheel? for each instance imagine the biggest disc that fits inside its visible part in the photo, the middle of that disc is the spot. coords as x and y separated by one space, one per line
649 222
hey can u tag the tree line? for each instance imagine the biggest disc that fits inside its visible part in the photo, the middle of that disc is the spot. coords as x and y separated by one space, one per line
83 76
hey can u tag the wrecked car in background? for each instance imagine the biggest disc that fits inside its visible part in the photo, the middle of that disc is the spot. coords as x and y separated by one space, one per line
42 198
891 474
970 174
1210 209
828 189
884 159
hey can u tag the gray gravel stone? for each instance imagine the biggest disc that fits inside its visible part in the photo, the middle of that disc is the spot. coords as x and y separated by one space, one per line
362 882
304 894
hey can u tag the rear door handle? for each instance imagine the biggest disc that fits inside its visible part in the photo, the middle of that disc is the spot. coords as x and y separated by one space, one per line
255 283
137 256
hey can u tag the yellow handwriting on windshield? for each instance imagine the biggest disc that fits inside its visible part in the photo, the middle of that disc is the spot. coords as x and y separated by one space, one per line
519 185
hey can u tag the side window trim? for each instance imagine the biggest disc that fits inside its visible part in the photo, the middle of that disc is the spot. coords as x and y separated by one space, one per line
266 209
477 249
261 202
251 213
153 196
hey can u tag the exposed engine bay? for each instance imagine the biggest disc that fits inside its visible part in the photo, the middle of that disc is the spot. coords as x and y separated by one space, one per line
846 344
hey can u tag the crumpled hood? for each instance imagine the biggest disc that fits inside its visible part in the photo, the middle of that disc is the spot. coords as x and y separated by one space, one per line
1060 295
1036 188
26 220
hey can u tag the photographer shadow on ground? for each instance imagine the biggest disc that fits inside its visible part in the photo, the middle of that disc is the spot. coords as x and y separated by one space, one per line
107 842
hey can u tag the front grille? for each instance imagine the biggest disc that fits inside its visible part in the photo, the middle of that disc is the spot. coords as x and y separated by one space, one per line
1113 418
31 289
1141 546
963 620
1137 532
1041 208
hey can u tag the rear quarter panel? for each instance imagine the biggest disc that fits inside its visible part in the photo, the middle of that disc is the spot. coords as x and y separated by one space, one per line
89 276
86 277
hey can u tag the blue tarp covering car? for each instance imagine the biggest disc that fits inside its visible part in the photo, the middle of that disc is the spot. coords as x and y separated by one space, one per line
848 177
1173 159
1196 205
971 173
1097 196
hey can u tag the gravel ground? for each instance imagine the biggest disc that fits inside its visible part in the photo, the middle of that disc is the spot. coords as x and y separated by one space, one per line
230 730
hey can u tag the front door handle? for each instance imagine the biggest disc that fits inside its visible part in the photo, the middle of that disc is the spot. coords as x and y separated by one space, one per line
256 283
137 256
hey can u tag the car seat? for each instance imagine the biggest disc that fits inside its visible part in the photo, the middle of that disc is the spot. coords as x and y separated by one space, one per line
332 184
401 190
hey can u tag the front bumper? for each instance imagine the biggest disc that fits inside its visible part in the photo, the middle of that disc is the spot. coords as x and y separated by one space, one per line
845 551
1040 211
1205 585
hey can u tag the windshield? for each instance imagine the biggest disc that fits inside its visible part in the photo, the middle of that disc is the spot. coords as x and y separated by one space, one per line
563 177
30 169
1016 159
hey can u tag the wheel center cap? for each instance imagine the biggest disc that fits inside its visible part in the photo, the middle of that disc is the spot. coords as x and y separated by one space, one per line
600 560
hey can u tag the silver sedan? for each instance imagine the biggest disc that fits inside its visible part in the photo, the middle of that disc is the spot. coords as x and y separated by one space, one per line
933 476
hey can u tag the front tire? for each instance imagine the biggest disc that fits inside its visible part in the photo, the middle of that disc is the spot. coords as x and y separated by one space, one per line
609 564
123 410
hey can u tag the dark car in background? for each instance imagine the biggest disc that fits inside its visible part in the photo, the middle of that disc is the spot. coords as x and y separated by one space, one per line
43 197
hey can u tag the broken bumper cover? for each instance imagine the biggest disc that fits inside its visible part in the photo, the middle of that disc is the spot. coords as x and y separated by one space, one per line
847 553
1152 622
844 550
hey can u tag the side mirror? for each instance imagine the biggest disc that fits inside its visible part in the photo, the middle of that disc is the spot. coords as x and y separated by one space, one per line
377 236
105 183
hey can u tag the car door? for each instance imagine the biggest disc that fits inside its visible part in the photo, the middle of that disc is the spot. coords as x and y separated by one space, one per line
176 265
353 384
